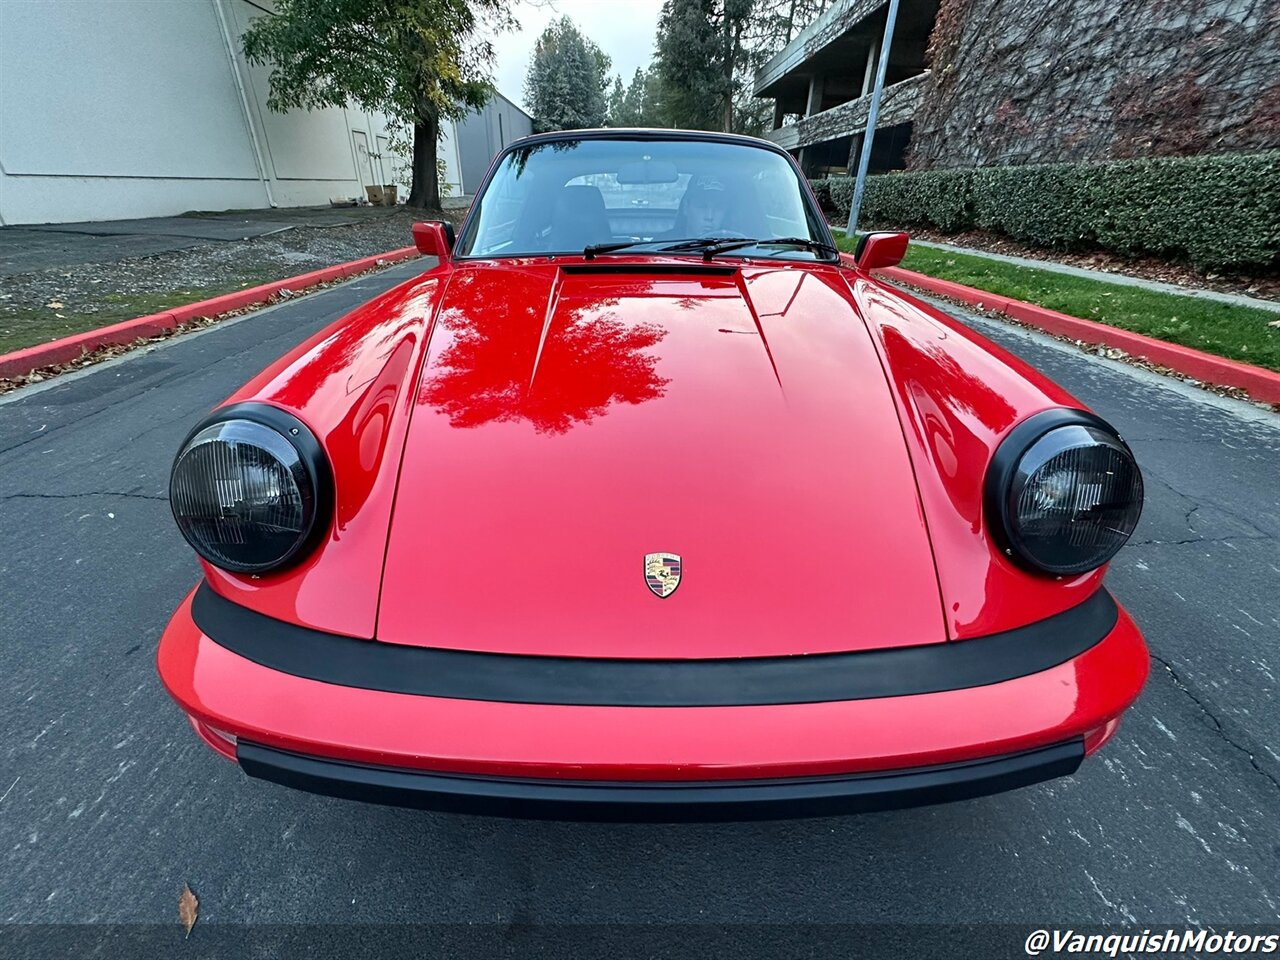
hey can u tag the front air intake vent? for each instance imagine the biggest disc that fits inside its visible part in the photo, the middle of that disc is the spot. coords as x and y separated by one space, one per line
652 269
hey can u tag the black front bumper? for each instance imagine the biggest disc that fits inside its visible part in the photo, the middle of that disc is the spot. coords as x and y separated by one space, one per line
661 802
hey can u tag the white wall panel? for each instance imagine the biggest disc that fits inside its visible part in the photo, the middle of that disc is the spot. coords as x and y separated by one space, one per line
123 88
114 109
72 199
448 152
301 144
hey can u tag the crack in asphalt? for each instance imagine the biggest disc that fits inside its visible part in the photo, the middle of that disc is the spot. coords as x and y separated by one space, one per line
1149 475
113 405
76 496
103 404
1196 504
1218 726
32 439
187 415
1180 543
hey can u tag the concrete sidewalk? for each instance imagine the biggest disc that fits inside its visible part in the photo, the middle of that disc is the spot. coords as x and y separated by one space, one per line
1124 280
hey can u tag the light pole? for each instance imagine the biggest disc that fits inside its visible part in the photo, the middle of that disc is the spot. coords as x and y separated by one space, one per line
865 160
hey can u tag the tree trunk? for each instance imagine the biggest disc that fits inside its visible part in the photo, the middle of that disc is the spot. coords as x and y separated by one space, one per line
425 192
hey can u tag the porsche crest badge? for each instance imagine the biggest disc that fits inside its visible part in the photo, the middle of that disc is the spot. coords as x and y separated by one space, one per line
662 573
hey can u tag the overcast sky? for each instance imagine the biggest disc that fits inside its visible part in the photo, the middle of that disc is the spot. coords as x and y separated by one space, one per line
624 29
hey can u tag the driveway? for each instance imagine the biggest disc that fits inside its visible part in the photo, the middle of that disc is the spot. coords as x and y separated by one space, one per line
109 804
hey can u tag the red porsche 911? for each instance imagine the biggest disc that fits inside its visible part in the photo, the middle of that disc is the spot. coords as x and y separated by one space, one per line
641 503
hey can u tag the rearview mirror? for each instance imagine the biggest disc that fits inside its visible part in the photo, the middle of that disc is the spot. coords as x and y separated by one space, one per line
434 238
877 250
648 171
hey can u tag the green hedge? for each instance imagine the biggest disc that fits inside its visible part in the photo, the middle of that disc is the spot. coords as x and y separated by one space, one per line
1216 211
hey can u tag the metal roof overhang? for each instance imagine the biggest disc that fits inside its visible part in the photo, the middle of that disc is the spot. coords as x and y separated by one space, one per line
831 44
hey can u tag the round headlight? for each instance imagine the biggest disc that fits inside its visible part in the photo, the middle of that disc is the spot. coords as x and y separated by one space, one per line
1064 492
248 489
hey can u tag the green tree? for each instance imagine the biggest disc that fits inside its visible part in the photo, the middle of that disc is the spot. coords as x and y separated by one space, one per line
685 64
708 52
419 61
616 115
565 85
701 58
636 104
735 18
643 101
652 104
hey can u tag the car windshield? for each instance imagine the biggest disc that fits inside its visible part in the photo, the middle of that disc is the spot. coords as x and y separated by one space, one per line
636 196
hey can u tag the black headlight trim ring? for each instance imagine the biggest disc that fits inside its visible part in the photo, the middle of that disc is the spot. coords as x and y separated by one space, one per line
310 453
1004 464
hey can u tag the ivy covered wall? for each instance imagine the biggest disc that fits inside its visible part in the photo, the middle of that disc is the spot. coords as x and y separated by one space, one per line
1049 81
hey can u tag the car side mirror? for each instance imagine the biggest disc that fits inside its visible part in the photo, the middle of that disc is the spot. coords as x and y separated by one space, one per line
434 238
876 250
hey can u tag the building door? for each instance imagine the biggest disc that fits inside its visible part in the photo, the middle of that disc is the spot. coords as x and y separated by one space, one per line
364 162
385 166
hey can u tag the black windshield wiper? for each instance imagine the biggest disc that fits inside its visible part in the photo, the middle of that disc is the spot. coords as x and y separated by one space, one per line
711 246
591 250
690 244
695 243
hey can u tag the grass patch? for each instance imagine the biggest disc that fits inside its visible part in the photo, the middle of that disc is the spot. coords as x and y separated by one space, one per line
27 327
140 304
1238 333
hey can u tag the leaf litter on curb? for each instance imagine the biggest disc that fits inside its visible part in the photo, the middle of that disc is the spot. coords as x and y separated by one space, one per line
188 909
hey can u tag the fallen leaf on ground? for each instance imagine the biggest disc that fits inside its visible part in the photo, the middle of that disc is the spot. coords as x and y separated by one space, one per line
188 909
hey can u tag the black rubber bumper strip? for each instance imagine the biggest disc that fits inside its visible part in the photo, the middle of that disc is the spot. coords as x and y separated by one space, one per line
662 802
584 681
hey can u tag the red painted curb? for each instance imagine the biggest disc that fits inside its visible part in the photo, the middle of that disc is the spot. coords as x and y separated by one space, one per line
23 361
1261 384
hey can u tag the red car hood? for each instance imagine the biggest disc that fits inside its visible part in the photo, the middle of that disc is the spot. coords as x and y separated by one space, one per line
572 419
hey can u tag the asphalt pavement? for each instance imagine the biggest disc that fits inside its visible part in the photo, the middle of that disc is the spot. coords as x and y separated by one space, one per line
50 246
109 804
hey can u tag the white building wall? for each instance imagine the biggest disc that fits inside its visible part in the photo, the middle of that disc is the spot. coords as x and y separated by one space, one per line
133 108
448 152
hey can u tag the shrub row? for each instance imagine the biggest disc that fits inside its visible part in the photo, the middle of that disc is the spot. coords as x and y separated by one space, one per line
1216 211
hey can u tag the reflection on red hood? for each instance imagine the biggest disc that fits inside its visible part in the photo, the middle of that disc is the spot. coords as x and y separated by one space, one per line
568 423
